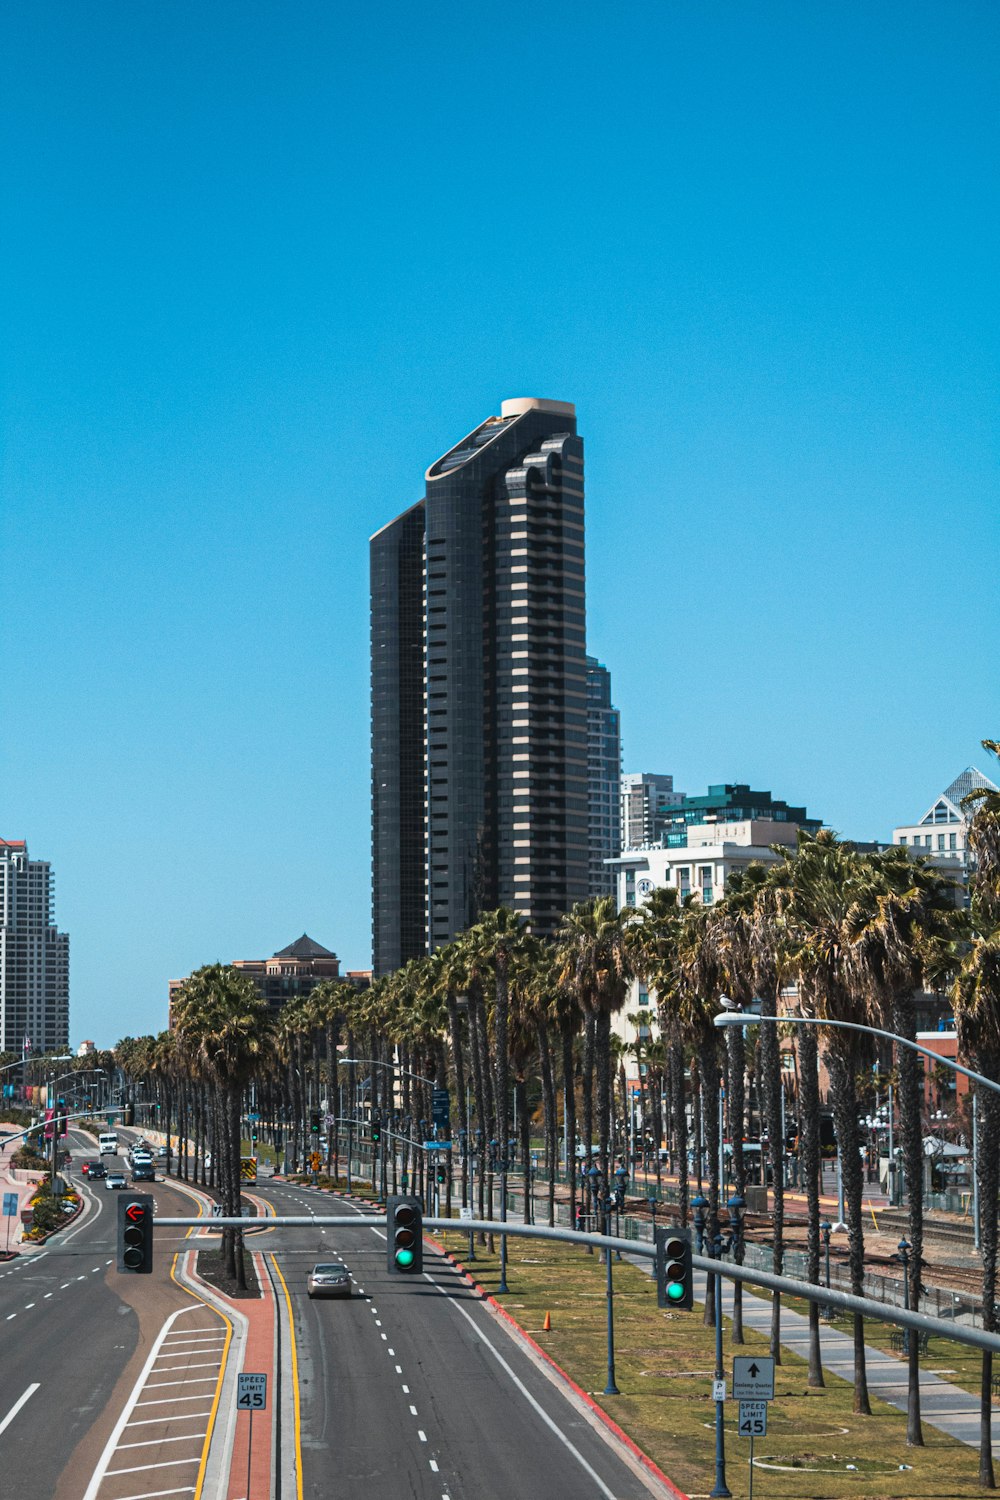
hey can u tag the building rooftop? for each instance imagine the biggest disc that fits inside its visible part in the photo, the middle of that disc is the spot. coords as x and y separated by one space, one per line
304 947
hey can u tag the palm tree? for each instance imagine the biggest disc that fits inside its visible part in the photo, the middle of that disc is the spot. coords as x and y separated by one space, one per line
901 930
976 996
594 963
225 1027
827 879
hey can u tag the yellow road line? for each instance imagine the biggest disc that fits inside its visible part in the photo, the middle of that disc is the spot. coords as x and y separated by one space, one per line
295 1381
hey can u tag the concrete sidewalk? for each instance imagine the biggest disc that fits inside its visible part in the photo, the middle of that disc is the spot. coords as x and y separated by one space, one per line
942 1405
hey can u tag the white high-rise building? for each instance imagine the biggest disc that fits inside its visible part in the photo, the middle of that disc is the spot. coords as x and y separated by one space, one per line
646 798
34 957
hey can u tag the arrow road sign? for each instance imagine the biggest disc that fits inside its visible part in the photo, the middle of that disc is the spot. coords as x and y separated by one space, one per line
753 1378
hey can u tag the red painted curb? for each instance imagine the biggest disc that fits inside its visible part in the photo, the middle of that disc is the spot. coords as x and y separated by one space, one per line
599 1412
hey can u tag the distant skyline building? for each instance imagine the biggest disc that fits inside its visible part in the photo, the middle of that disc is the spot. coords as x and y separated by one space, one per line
604 770
479 688
941 834
34 957
647 798
731 803
291 973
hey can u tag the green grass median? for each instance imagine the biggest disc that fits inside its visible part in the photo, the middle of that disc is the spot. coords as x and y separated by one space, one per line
815 1448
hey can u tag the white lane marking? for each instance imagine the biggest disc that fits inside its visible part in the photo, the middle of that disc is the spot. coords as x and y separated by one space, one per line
390 1352
168 1385
434 1467
165 1370
18 1404
421 1435
97 1478
28 1306
94 1270
165 1401
378 1322
11 1315
171 1463
383 1335
182 1416
519 1383
187 1489
107 1263
65 1285
399 1369
413 1411
194 1437
81 1278
47 1296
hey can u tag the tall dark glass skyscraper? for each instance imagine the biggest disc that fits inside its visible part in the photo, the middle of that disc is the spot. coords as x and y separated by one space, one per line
604 763
479 688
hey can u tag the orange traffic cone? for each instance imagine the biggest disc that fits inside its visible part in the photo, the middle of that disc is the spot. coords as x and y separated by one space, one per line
547 1325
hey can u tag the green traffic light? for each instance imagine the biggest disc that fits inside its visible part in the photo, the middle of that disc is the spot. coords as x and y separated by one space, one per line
404 1259
675 1291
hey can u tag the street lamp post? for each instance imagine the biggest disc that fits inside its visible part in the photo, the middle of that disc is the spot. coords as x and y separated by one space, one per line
611 1388
904 1248
652 1213
825 1231
721 1490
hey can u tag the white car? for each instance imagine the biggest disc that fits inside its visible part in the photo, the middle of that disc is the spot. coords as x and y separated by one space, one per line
114 1180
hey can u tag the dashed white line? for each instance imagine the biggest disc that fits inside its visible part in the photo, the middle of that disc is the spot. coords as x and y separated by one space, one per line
421 1435
434 1467
28 1306
383 1335
47 1296
399 1369
11 1315
413 1411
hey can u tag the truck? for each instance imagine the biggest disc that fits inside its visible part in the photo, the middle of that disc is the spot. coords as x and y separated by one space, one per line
108 1142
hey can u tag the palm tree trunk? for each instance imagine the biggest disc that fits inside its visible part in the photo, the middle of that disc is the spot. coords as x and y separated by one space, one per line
988 1107
770 1067
569 1110
587 1079
708 1070
904 1024
602 1048
736 1059
680 1127
809 1152
549 1110
842 1066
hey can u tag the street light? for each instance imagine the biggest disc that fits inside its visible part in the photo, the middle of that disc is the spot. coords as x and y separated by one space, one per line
752 1018
825 1230
904 1248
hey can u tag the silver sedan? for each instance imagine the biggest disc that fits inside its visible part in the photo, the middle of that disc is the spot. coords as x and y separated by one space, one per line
329 1279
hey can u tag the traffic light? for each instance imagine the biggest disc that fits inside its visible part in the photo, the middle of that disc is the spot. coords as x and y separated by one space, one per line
314 1121
63 1121
404 1243
674 1273
376 1130
442 1173
135 1234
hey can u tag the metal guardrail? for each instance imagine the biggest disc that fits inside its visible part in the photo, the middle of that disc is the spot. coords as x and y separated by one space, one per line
831 1297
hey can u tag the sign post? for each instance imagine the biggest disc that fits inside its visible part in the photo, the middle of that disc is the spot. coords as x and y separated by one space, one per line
251 1396
9 1210
753 1387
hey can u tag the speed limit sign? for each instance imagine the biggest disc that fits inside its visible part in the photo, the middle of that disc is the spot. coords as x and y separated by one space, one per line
753 1419
251 1392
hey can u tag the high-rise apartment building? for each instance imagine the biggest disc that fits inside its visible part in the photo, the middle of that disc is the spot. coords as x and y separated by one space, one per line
479 688
34 957
604 769
646 801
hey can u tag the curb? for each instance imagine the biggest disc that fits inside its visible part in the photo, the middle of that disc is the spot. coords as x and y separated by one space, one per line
588 1400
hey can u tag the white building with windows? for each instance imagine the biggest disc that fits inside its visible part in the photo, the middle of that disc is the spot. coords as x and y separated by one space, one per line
702 866
941 834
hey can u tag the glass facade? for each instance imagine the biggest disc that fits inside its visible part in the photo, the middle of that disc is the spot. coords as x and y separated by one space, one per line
500 737
604 768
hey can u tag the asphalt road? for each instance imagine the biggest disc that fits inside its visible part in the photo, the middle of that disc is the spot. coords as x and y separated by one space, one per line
71 1331
410 1389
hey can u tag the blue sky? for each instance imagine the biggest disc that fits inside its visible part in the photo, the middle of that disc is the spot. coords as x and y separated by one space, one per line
262 263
